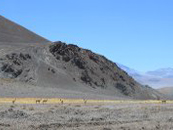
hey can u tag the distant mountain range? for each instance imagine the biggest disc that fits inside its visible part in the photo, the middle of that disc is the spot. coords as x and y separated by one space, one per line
162 73
157 79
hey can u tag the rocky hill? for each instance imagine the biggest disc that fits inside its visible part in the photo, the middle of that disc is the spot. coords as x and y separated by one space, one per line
58 69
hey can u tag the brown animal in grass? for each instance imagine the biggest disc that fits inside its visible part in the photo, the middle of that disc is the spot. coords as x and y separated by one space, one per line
85 101
163 101
14 101
38 101
61 101
45 101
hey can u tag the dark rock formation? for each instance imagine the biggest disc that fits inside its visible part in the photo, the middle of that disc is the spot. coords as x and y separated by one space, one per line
12 64
95 70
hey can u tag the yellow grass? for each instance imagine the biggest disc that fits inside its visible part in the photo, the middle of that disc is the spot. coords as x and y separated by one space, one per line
73 101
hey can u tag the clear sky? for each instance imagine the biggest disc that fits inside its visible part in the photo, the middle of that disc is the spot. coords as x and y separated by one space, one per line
136 33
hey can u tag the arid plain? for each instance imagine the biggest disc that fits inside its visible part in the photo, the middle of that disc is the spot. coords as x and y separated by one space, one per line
95 116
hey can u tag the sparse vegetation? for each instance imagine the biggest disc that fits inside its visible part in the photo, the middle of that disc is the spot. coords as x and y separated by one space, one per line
93 116
31 108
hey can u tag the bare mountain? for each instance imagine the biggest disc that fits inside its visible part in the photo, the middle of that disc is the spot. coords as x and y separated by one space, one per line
12 32
60 70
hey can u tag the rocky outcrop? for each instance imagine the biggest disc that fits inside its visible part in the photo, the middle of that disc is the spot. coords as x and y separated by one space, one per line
95 70
12 64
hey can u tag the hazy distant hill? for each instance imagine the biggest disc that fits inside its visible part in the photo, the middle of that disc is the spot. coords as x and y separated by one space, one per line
59 68
130 71
167 91
158 78
162 73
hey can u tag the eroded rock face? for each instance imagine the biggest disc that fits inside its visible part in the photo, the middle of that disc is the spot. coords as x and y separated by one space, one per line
67 53
94 70
12 64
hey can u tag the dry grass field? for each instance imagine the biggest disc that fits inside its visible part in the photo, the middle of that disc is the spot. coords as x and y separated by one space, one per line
77 101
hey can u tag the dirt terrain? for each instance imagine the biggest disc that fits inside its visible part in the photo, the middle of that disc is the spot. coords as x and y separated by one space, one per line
86 117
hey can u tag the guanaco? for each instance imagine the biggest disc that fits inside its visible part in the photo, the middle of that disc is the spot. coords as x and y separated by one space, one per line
14 101
38 101
85 101
44 101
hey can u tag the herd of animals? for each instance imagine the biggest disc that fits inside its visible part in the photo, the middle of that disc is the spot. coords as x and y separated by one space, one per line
43 101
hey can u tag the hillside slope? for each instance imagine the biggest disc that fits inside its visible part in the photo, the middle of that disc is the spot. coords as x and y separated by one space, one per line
12 32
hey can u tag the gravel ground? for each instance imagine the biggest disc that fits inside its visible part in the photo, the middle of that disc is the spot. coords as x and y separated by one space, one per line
86 117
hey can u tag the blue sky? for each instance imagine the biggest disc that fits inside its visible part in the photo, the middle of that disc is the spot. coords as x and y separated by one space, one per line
136 33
